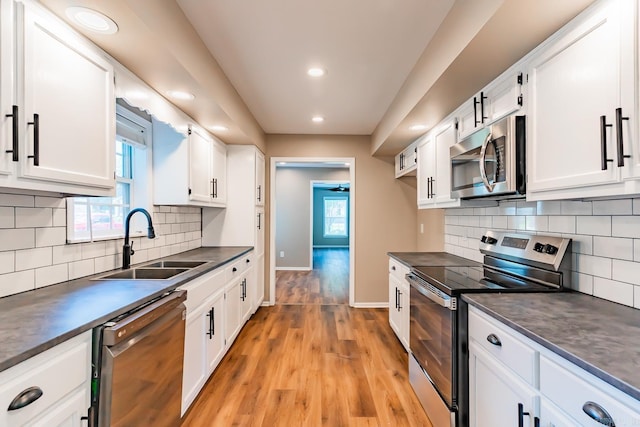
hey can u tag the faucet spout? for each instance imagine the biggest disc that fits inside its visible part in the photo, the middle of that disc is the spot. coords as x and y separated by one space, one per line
126 249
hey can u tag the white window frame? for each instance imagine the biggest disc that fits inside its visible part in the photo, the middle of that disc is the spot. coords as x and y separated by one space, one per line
140 185
345 199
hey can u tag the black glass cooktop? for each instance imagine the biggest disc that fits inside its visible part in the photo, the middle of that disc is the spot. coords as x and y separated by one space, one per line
456 280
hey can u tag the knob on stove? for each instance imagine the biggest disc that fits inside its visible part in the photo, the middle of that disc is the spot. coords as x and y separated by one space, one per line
550 249
538 247
489 240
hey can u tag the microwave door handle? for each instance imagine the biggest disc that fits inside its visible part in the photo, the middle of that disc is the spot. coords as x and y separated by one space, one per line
483 170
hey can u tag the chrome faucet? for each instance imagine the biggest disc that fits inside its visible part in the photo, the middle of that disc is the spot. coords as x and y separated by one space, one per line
127 249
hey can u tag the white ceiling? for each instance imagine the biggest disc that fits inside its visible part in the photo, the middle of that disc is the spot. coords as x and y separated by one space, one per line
265 47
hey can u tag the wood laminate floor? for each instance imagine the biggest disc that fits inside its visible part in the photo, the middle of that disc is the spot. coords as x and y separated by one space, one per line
311 364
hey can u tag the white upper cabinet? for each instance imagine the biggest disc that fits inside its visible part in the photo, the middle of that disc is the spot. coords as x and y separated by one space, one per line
407 161
501 97
58 106
260 189
582 116
188 170
434 167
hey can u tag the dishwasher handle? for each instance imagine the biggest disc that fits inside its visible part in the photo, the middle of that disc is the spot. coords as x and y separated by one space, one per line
122 328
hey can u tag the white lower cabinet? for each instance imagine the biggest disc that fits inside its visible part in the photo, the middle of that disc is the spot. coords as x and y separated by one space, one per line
497 397
233 310
63 376
558 394
399 301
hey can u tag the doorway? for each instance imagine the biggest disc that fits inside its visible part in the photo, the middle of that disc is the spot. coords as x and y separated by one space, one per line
291 239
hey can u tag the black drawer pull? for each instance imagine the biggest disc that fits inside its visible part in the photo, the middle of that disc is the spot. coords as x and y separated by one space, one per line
598 413
603 143
15 129
36 139
493 339
234 269
521 415
27 397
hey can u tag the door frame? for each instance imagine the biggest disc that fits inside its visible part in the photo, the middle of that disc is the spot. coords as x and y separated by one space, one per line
272 220
312 184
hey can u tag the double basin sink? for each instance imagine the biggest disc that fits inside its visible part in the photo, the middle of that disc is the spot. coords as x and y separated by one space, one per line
159 270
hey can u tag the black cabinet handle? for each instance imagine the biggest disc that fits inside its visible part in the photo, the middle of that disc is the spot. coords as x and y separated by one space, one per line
598 413
476 122
620 142
399 300
14 130
396 298
603 142
234 269
393 267
433 193
259 218
36 139
259 193
415 155
25 398
493 339
482 116
211 325
536 422
212 190
521 415
248 260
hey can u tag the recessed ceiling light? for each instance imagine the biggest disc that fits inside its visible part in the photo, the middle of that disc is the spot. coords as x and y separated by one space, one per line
92 20
317 119
178 94
418 127
316 72
218 128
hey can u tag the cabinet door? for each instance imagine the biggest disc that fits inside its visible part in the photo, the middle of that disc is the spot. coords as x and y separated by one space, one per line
247 294
495 393
404 314
551 416
426 172
259 282
7 92
444 138
259 232
214 331
260 190
219 173
503 97
468 118
200 181
66 413
574 82
233 311
68 122
395 318
194 370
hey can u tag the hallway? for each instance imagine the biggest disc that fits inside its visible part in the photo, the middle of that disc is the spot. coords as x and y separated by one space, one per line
312 360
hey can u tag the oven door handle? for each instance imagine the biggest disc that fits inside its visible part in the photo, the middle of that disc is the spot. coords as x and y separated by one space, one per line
483 169
442 302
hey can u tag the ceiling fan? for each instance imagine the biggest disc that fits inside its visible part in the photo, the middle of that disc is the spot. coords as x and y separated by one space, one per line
340 189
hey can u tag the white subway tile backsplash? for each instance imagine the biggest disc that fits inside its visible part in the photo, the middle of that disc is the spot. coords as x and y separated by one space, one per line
636 206
46 276
485 222
636 296
7 217
516 222
508 208
79 269
625 226
537 223
573 207
12 239
14 283
526 208
109 262
612 290
613 207
59 217
17 200
594 225
636 250
50 202
582 283
93 250
549 208
626 271
562 224
7 262
613 247
500 222
53 236
66 254
34 217
595 266
581 243
33 258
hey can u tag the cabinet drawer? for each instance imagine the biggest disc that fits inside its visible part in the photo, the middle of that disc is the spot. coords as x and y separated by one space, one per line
238 267
201 288
570 388
508 348
57 372
397 269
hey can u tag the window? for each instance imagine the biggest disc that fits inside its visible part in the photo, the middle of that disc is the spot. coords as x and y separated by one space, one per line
99 218
335 216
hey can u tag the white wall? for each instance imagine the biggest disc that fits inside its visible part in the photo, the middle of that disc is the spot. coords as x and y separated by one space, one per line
34 252
606 239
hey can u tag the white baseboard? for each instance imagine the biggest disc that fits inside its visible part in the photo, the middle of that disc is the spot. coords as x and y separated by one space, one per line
383 304
294 268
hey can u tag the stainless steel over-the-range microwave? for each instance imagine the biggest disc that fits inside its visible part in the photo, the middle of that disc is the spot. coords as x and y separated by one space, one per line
491 162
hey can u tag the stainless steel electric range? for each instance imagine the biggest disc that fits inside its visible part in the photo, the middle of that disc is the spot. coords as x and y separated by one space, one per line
438 363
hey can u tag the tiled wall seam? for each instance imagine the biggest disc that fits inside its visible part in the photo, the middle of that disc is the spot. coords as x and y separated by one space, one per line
606 239
34 252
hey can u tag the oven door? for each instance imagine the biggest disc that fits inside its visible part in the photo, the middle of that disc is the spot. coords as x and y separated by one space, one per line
432 337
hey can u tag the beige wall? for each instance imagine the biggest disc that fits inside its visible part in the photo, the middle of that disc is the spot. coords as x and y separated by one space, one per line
293 207
431 234
385 208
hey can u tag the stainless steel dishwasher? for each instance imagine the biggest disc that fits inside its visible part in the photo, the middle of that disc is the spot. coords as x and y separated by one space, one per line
140 357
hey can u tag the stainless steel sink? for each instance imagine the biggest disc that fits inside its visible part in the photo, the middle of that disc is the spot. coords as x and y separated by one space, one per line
144 274
176 264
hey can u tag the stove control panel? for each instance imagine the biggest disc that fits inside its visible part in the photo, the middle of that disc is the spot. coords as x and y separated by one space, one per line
545 248
488 240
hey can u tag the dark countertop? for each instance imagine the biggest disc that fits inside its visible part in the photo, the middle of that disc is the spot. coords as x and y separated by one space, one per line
34 321
601 337
432 259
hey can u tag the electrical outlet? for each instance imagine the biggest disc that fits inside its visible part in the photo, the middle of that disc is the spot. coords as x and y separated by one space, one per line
421 228
281 254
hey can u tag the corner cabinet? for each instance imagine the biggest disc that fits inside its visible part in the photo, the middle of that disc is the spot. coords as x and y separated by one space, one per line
399 301
434 168
407 161
536 386
188 170
58 104
63 376
582 127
